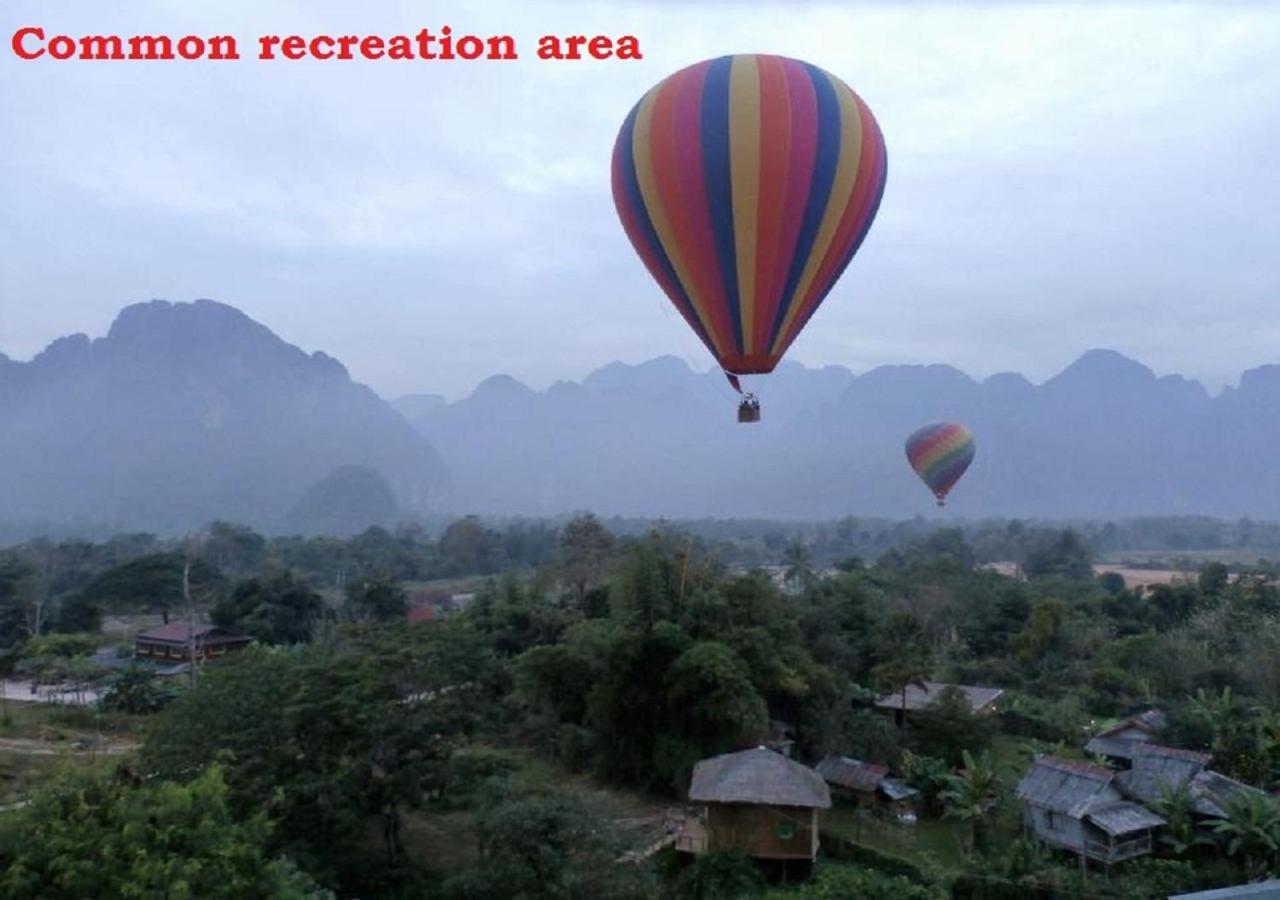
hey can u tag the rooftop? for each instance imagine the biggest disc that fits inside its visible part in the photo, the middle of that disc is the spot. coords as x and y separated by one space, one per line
1260 890
178 633
1066 786
1149 720
979 697
1122 818
852 774
758 776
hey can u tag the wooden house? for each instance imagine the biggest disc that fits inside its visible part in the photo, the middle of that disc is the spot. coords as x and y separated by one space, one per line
760 803
1155 770
868 784
917 696
1117 742
172 643
1077 806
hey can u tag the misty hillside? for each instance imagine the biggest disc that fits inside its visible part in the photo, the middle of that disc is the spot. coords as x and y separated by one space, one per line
187 412
1103 438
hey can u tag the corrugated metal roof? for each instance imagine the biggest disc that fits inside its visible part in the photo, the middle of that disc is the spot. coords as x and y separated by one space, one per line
1067 787
1158 769
1124 818
1149 749
1150 721
852 774
896 790
1260 890
1109 746
1214 792
979 697
758 776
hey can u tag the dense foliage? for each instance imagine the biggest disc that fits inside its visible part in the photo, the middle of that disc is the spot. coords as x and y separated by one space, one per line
622 659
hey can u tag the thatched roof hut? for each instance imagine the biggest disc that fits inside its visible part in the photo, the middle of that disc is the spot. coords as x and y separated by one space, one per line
758 776
760 803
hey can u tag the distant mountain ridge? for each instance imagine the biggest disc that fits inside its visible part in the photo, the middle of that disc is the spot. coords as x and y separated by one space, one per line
1105 437
186 412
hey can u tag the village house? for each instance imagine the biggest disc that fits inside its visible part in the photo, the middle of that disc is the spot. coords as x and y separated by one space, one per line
918 696
1078 807
173 643
1116 743
1157 770
868 784
761 804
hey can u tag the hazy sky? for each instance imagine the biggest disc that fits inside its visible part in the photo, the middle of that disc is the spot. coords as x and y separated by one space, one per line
1060 177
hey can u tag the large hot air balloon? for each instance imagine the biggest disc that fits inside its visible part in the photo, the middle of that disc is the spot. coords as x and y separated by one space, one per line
746 184
940 452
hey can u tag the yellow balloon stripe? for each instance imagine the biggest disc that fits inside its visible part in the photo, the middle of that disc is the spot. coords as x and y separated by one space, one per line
744 160
842 186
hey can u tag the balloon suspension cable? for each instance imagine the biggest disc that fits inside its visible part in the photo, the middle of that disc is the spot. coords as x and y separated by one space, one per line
733 381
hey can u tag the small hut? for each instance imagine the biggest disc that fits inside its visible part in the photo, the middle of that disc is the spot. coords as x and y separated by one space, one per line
915 697
760 803
868 784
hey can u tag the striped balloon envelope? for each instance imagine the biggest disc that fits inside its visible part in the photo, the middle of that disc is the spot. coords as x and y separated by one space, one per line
940 453
746 184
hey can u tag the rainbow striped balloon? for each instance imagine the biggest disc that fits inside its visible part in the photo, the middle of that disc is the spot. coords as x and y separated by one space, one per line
940 453
746 184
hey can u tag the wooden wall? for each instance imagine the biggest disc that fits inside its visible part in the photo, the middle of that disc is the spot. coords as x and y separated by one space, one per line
754 829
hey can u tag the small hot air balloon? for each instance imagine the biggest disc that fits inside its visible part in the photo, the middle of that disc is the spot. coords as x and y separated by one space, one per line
940 453
746 184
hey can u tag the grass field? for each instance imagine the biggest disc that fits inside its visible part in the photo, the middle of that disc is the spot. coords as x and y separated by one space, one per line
39 740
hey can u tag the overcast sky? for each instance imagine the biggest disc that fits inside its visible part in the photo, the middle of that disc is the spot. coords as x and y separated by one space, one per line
1061 177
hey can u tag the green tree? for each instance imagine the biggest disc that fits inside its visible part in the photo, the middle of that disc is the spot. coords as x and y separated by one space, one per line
948 726
586 548
718 876
278 609
1061 554
87 835
537 844
469 548
799 562
1043 632
713 703
135 690
972 795
334 738
843 882
1177 805
1251 832
152 583
379 599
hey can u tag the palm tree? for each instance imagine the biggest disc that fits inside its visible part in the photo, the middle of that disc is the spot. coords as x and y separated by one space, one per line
799 564
1251 831
973 794
1177 805
1225 714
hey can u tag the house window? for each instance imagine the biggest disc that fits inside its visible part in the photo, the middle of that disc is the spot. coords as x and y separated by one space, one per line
1049 820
